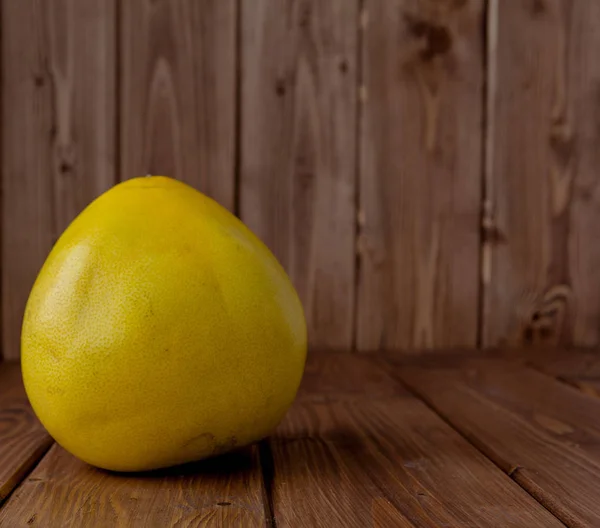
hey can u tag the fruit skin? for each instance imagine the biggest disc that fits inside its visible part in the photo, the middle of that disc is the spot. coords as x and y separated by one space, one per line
160 331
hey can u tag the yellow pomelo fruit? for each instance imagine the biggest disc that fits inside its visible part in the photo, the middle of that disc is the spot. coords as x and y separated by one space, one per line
160 330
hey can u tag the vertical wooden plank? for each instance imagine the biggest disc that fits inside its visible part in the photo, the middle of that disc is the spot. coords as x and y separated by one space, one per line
178 86
299 71
58 62
420 182
543 194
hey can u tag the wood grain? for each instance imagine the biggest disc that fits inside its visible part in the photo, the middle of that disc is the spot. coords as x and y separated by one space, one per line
63 491
543 433
23 441
297 192
178 86
383 458
58 130
542 198
578 367
392 458
420 182
332 376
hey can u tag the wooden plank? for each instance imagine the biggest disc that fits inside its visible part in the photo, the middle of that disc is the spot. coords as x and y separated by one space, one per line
58 108
542 254
343 375
578 367
297 192
384 460
568 363
23 441
63 491
421 143
338 464
178 92
588 386
540 431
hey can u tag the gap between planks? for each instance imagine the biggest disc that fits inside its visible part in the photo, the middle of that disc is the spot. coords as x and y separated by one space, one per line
542 435
27 470
386 457
512 473
267 468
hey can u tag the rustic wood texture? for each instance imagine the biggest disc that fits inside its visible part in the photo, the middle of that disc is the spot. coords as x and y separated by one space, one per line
346 458
578 367
63 491
298 135
178 92
348 135
383 457
542 205
343 375
420 179
23 441
542 432
58 128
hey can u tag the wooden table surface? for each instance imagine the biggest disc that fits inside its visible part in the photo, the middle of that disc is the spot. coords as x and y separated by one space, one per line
441 440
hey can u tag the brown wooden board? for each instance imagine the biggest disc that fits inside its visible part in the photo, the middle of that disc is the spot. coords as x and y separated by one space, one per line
331 376
420 178
298 142
542 432
384 458
564 362
178 92
63 491
578 367
58 132
23 441
541 253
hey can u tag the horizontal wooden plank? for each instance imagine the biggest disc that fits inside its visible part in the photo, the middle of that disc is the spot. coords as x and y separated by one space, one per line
62 491
568 363
578 367
23 441
588 386
337 375
383 459
544 433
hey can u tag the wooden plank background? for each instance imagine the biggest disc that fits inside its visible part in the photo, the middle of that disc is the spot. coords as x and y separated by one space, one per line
177 79
420 177
58 128
542 273
298 137
424 170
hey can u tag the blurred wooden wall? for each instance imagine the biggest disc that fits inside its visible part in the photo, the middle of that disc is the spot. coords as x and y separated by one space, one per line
426 170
